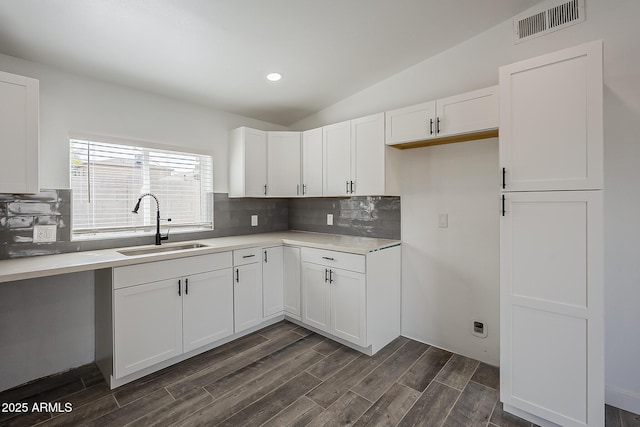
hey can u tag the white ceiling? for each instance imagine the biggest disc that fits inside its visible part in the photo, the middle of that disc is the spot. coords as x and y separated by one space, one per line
217 52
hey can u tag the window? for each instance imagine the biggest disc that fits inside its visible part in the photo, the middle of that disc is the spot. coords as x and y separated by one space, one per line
108 178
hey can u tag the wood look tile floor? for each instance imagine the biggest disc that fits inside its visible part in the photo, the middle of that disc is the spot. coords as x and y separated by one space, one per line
285 375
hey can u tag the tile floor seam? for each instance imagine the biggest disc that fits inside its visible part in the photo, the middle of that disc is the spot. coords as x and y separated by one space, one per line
492 409
414 402
454 403
373 370
283 409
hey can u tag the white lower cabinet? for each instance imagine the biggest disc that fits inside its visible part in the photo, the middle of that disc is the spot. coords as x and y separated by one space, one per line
316 298
272 281
156 318
551 301
207 313
247 289
151 315
148 325
291 281
339 289
334 301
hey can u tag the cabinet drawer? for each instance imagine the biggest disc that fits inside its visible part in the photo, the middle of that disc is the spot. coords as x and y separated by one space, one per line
160 270
343 260
246 256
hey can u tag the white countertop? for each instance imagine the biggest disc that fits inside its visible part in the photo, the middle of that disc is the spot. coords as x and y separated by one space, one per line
49 265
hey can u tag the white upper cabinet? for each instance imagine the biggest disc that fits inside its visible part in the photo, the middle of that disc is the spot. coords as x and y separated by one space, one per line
467 116
19 134
337 159
368 155
414 123
551 121
312 163
247 163
468 112
283 164
354 157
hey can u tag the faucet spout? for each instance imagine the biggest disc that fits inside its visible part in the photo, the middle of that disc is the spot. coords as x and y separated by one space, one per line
159 237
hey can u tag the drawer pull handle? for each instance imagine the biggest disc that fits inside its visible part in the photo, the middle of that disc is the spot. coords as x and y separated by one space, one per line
186 286
179 288
330 276
237 275
329 258
248 256
325 275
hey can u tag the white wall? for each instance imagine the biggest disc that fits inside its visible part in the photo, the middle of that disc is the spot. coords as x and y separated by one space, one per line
46 325
450 275
71 103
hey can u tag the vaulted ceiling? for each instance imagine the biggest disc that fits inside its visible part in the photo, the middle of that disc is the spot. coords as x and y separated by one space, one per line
218 52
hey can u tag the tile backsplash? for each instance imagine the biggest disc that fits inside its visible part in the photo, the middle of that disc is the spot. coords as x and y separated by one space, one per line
20 212
367 216
370 216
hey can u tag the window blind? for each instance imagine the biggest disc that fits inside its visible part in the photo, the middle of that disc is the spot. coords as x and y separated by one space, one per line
107 179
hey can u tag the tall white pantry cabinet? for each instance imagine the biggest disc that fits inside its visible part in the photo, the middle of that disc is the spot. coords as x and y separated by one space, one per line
551 257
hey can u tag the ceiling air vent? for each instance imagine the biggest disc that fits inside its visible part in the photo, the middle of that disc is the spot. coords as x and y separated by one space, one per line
546 19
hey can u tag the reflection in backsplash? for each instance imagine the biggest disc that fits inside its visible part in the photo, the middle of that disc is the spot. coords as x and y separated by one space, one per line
20 212
370 216
367 216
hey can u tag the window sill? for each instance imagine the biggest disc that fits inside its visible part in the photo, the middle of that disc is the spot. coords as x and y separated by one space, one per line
83 237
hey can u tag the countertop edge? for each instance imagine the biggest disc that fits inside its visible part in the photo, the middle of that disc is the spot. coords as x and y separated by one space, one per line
76 262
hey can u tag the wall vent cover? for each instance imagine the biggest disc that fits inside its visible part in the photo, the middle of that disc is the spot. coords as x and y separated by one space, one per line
546 19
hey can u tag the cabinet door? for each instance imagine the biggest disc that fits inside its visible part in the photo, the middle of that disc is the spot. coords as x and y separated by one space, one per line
337 159
147 325
272 281
468 112
255 157
19 134
292 281
414 123
207 308
348 306
283 164
247 296
312 163
316 296
368 155
551 121
551 284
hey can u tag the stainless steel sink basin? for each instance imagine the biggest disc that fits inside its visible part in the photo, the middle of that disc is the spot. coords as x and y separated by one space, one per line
160 249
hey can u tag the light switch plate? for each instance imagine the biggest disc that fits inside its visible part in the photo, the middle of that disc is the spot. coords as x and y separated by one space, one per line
329 219
44 233
443 220
254 220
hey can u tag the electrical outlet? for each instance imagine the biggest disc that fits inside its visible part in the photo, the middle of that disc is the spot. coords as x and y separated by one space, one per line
44 233
329 219
479 329
254 220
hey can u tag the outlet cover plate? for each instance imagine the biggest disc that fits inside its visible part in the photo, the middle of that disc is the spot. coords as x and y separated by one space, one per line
329 219
44 233
254 220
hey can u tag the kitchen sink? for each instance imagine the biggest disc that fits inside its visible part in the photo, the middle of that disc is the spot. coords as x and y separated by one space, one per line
160 249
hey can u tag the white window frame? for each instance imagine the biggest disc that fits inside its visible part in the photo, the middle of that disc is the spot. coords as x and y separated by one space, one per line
144 223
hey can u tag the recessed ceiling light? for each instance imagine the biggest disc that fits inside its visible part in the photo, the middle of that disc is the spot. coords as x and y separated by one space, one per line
274 77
